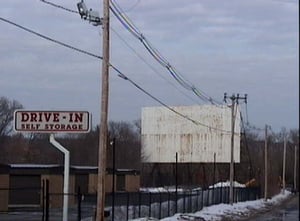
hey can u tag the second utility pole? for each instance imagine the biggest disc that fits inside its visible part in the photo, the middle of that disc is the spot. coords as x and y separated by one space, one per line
234 100
104 115
266 163
231 175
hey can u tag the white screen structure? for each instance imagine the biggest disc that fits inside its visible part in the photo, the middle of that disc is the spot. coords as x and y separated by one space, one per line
165 133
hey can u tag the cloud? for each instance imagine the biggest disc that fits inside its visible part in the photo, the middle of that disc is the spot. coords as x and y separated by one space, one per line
220 46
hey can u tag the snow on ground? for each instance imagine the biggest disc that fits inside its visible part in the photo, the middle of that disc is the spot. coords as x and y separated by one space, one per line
217 212
227 184
171 189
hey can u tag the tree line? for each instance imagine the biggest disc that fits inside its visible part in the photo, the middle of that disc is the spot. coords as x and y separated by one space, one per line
35 148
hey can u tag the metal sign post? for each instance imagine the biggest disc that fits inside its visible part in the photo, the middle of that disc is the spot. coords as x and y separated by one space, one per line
66 174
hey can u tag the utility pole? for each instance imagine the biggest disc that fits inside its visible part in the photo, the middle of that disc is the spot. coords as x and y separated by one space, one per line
234 101
283 167
232 151
93 17
266 163
103 133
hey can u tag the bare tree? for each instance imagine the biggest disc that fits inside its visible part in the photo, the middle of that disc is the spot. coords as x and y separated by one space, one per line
128 150
138 125
123 131
294 136
7 109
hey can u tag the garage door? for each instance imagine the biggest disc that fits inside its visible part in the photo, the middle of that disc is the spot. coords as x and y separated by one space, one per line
24 190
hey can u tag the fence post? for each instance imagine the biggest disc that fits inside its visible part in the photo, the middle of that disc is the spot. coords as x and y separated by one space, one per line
207 198
176 182
214 180
201 198
221 190
197 198
183 201
219 193
191 201
159 205
47 201
248 193
78 204
242 194
127 205
207 201
149 204
228 194
234 194
139 203
43 200
168 202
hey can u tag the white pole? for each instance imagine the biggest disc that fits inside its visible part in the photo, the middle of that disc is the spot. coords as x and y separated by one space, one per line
66 175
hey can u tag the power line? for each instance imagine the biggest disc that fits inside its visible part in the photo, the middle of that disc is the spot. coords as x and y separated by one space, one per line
139 56
128 24
150 66
93 19
120 74
123 76
59 6
51 39
154 52
134 30
247 118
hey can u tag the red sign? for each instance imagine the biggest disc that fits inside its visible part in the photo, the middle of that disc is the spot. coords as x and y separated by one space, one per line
52 121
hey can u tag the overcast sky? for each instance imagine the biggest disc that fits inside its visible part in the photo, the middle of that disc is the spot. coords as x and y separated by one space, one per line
233 46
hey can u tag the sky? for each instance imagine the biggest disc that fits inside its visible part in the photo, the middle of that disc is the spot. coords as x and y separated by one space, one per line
247 47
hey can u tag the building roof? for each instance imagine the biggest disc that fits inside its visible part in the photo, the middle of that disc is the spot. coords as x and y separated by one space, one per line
57 169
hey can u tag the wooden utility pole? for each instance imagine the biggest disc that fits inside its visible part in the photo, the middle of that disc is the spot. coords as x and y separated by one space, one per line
234 100
283 166
231 175
104 115
295 169
266 163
